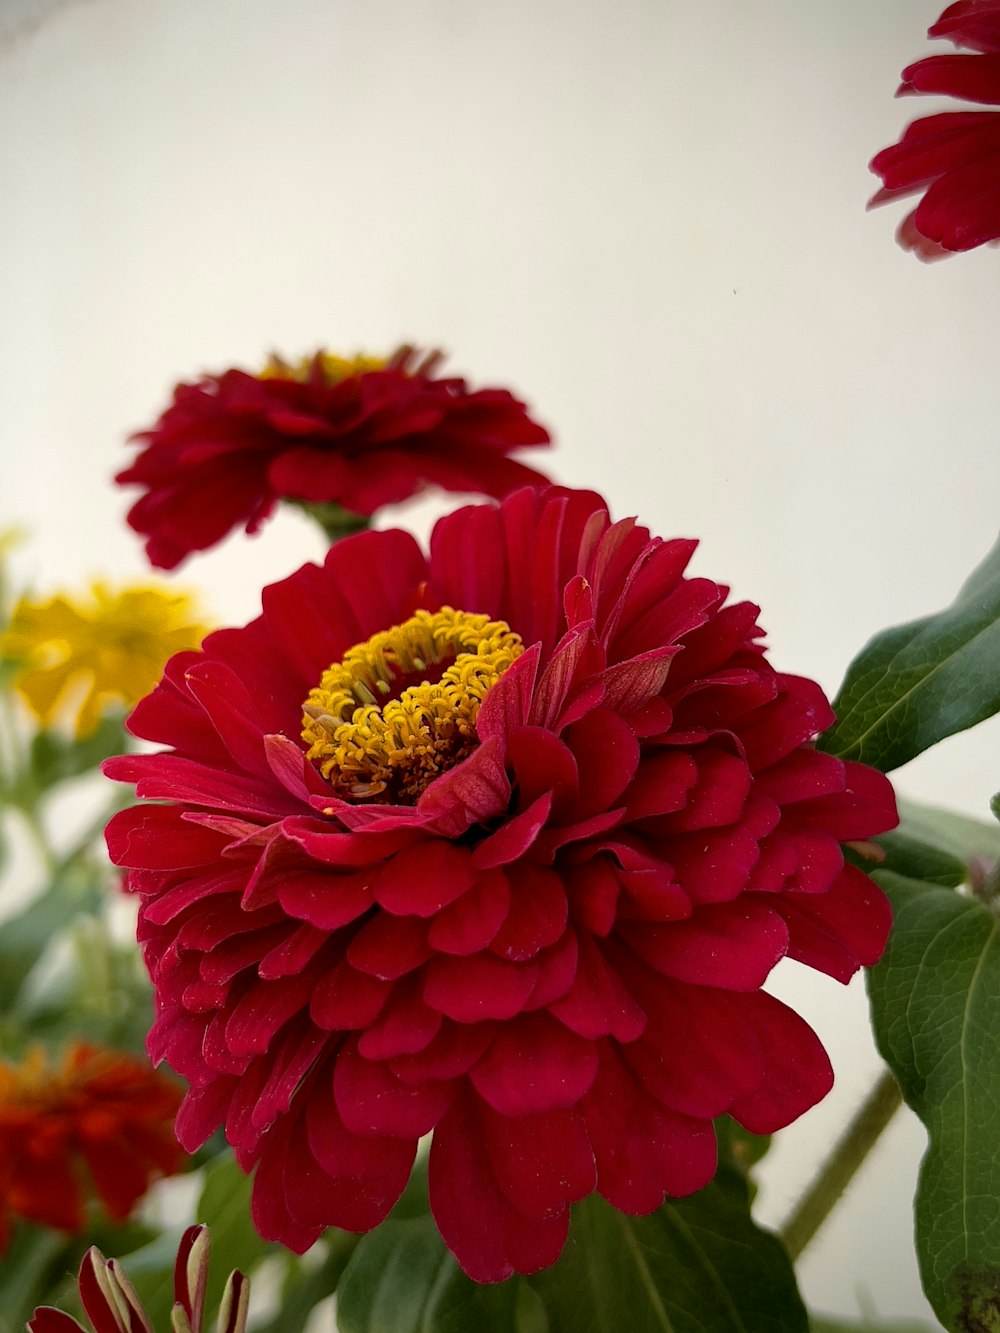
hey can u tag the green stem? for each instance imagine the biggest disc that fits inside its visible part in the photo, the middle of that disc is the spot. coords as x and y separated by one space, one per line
843 1163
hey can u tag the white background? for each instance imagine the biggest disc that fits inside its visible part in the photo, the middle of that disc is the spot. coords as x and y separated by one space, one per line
647 217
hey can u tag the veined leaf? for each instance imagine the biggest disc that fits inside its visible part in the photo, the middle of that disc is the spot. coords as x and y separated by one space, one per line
402 1279
697 1265
915 684
935 1001
957 835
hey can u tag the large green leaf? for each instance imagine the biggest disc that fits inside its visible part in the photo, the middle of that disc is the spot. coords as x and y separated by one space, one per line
935 1001
915 684
401 1279
697 1265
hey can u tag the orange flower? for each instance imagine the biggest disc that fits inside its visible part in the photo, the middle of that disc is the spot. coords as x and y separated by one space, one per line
99 1114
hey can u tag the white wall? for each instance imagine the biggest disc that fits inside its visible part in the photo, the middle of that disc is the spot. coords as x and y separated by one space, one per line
646 216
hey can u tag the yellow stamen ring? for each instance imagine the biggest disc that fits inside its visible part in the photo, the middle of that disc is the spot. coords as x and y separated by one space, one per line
373 736
334 368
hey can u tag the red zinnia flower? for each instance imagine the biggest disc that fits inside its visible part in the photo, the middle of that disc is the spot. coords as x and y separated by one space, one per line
100 1110
356 434
513 868
955 155
112 1305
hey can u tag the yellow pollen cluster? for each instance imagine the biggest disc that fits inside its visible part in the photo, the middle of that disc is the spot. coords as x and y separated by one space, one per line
376 737
334 368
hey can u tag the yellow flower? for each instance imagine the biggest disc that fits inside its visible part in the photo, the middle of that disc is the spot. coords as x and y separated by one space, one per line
78 655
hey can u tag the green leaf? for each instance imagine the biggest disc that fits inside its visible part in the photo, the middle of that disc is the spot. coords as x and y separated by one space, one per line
224 1207
24 937
962 837
913 858
151 1271
402 1279
36 1258
697 1265
308 1281
935 1001
741 1150
54 757
915 684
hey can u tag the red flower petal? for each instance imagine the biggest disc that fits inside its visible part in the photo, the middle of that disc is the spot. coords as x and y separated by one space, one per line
420 880
470 923
541 1162
535 1064
733 946
663 1153
490 1239
371 1100
798 1070
478 986
552 959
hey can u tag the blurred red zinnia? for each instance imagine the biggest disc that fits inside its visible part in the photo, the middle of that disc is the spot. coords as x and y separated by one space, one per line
99 1113
353 433
112 1305
954 156
499 842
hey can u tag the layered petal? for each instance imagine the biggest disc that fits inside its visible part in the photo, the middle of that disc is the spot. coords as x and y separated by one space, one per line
547 949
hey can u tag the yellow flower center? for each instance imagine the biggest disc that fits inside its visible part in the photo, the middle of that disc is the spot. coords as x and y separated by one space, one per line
334 368
401 708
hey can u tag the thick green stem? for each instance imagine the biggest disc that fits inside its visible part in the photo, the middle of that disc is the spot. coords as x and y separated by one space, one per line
840 1168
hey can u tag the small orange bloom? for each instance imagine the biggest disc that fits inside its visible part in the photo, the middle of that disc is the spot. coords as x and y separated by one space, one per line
100 1114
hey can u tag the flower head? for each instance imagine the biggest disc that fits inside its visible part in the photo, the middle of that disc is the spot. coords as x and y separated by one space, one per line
954 156
100 1114
354 433
111 1302
499 842
80 654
